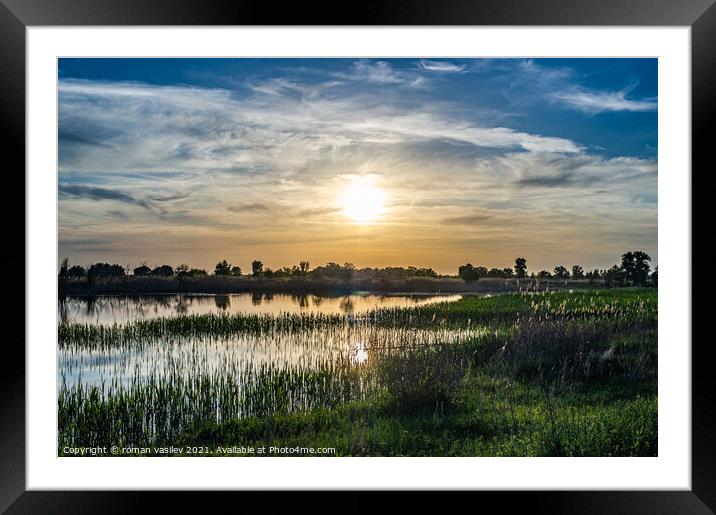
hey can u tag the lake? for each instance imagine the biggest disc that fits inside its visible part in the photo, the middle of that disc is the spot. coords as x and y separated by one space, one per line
111 309
291 352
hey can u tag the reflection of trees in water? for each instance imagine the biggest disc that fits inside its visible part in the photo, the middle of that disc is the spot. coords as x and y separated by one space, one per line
222 302
62 308
164 301
182 306
346 304
186 302
86 306
301 299
141 306
90 305
120 309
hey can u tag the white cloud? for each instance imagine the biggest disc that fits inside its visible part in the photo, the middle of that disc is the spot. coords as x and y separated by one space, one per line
587 172
441 66
379 71
560 85
279 87
160 127
600 101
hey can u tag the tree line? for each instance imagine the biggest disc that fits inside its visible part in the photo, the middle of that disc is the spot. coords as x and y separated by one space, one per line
331 270
634 270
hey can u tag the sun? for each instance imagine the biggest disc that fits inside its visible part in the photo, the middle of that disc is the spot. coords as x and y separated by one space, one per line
361 201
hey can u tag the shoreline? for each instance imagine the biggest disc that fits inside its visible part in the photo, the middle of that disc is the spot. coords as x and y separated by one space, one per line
213 285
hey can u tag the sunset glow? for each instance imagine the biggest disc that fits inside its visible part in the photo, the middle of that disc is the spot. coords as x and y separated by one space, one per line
362 202
378 162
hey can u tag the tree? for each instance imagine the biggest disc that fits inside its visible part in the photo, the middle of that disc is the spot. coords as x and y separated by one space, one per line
544 274
594 274
468 273
235 271
163 271
142 270
304 267
348 271
222 268
521 268
507 273
182 270
560 272
257 268
104 270
636 267
76 271
335 271
654 276
577 272
615 276
63 267
288 272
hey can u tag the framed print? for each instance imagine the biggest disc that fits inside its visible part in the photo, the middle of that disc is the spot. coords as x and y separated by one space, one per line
411 250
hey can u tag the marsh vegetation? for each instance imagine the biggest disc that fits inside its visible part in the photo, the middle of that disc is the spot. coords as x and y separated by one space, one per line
519 374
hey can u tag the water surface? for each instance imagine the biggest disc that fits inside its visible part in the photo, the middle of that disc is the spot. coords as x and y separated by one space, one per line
111 309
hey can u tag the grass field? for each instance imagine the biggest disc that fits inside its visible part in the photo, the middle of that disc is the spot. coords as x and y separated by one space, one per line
519 374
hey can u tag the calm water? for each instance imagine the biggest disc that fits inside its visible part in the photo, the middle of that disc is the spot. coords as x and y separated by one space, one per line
179 361
207 356
109 309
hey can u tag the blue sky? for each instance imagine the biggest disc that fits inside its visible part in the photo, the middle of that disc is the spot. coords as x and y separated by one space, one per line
480 160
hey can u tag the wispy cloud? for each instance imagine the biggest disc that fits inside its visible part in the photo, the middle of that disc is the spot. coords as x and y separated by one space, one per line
170 198
441 66
280 87
253 207
600 101
554 170
211 128
379 71
94 193
528 82
118 214
469 218
317 211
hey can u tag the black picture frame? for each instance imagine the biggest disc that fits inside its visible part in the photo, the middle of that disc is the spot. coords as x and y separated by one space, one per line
700 15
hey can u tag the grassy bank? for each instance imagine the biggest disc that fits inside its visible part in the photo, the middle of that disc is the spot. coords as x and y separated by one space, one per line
522 374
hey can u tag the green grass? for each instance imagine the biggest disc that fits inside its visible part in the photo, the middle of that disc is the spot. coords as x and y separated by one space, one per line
507 307
549 374
498 423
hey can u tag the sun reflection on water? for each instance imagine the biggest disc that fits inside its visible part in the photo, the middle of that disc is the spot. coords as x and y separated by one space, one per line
359 354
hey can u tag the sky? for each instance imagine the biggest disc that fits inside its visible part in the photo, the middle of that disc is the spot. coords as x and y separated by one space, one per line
378 162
